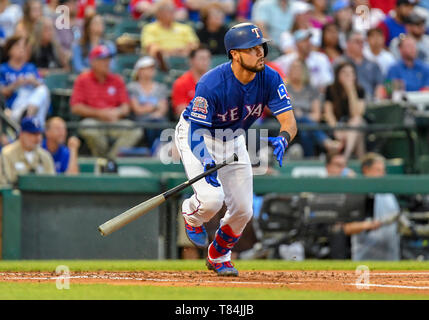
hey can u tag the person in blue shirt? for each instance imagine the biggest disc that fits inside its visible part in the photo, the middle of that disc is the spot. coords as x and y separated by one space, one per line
92 36
228 100
21 84
413 73
65 156
394 24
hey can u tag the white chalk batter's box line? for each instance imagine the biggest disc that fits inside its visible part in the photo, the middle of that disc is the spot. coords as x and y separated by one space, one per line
140 279
363 285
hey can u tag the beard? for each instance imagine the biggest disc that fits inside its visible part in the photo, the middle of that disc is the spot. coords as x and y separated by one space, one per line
254 68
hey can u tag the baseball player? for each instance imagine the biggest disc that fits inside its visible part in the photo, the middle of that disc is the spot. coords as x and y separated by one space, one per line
228 99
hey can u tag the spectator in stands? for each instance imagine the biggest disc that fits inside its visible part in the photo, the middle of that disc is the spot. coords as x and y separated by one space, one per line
374 51
301 21
394 24
331 42
343 16
67 36
384 5
307 109
92 36
148 98
184 87
10 15
165 37
85 8
20 83
317 63
345 103
416 28
382 243
32 13
65 156
47 54
244 10
213 29
336 166
147 8
49 9
25 155
195 7
410 71
319 16
368 73
273 17
100 97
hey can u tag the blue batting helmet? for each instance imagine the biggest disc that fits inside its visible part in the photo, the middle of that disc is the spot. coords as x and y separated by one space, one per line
244 36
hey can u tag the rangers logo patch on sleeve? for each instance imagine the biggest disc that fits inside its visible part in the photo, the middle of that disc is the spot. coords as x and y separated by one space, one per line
282 91
200 105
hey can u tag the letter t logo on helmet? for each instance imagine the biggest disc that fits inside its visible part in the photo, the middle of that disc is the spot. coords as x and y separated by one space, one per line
244 36
255 30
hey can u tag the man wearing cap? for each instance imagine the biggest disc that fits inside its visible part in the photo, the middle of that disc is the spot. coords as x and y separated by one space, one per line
394 24
416 28
25 155
317 63
100 98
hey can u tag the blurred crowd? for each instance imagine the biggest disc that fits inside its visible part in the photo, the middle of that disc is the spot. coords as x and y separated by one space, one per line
130 63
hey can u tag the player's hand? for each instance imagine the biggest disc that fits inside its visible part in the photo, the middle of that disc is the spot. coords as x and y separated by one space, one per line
279 144
211 178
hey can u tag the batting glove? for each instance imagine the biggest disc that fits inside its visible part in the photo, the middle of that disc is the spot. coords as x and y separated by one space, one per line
279 144
211 178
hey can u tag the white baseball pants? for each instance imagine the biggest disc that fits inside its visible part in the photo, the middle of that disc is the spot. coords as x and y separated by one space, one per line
236 181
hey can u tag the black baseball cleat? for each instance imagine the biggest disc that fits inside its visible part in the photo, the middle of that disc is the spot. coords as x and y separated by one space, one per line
224 269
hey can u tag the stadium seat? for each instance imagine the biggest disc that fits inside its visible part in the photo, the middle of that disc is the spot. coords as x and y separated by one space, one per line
178 63
112 9
218 59
125 61
58 81
130 26
273 52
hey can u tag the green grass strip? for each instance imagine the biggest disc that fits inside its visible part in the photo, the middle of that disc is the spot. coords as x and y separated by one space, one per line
190 265
48 291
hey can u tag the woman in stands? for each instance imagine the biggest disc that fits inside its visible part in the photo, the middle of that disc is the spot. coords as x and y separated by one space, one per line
307 109
345 104
32 13
21 84
92 35
47 54
148 98
331 42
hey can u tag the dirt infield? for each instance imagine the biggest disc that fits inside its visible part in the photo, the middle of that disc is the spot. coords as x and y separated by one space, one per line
338 281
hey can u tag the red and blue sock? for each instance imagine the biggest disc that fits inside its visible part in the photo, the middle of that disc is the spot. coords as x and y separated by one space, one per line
224 241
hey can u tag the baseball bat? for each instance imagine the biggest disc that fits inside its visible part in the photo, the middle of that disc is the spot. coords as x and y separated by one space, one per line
141 209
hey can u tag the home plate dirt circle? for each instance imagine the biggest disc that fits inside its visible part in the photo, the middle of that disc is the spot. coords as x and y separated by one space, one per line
376 281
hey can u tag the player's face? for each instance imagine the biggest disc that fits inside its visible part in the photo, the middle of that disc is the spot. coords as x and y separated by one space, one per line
252 59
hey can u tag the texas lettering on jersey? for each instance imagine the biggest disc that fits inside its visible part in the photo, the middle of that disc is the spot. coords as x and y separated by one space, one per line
221 101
